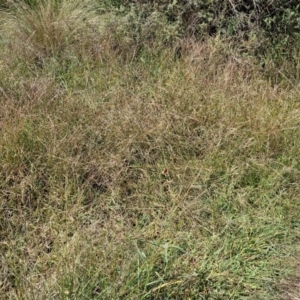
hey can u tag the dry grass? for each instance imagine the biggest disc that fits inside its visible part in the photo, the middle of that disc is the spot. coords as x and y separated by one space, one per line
289 285
141 175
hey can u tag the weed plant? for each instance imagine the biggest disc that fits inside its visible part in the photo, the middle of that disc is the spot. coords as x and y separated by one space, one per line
129 172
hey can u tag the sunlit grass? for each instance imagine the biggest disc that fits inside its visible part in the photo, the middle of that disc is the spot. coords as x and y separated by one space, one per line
140 175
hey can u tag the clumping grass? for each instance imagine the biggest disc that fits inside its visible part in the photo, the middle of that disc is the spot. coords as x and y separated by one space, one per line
138 174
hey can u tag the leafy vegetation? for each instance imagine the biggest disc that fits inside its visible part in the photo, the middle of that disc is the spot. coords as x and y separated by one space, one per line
140 160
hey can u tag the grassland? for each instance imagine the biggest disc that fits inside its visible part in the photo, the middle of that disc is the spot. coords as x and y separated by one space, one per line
131 172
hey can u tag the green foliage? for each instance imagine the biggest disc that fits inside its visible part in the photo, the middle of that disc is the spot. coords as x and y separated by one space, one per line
274 22
234 16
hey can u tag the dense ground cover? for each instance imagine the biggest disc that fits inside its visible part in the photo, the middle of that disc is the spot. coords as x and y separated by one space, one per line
131 172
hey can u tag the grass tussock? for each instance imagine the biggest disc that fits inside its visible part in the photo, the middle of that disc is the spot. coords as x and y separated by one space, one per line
49 29
148 176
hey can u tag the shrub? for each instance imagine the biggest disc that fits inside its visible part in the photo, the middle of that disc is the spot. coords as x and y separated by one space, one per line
275 21
209 16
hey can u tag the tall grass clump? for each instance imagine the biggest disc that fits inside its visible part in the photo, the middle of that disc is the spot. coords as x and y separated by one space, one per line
134 166
48 28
